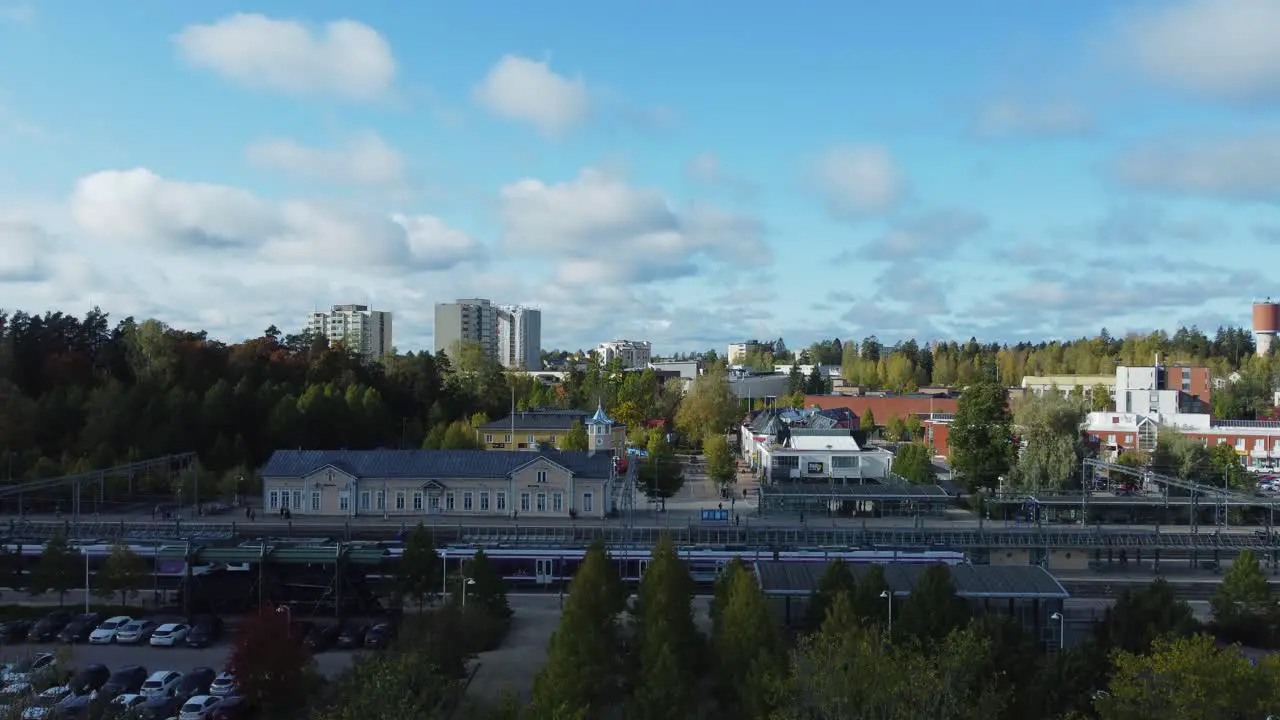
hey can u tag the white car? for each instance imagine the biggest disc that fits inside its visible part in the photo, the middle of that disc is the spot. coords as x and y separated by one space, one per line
16 689
106 632
27 669
169 634
45 701
127 702
198 707
223 686
162 683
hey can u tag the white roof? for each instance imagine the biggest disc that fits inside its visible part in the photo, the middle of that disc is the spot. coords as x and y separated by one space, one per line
823 442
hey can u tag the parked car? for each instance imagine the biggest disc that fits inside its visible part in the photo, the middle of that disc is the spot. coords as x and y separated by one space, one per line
122 704
161 683
135 632
15 631
299 629
352 635
124 681
157 708
322 637
196 682
106 632
42 705
169 634
48 627
198 707
223 686
80 628
27 670
380 636
75 707
89 679
205 631
233 708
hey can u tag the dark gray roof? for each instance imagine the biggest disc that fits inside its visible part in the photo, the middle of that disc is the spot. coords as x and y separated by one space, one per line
414 464
971 581
870 491
539 420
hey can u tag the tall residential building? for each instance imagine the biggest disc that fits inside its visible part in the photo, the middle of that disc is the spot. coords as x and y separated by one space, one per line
467 320
737 353
632 353
519 337
365 331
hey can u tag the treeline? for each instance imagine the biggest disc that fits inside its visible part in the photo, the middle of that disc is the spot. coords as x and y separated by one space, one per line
82 393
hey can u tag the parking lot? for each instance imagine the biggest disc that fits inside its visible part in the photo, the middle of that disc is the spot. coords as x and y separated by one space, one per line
181 659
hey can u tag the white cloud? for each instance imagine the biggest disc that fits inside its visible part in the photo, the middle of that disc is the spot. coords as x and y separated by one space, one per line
601 229
1239 168
859 180
929 236
1227 49
137 208
23 247
1004 118
364 160
348 60
529 91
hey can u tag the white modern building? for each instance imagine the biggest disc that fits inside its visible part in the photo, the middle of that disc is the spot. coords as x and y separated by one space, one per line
519 344
632 353
467 320
1066 384
365 331
738 352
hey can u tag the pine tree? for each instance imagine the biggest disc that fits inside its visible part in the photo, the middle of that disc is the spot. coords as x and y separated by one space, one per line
667 674
747 645
836 580
57 570
419 573
868 606
933 609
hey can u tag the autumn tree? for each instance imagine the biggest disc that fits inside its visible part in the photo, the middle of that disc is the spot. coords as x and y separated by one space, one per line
722 469
660 475
667 677
58 570
576 438
580 674
1052 444
981 438
894 428
272 668
836 580
419 574
867 423
124 572
914 428
746 645
709 406
389 686
914 462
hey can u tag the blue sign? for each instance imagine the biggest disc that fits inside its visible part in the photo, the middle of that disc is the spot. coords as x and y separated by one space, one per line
715 516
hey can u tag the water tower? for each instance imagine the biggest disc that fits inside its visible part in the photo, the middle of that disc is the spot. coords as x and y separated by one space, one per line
1266 323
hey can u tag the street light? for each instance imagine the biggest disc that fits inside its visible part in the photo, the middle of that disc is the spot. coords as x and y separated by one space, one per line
889 596
286 611
1062 629
465 583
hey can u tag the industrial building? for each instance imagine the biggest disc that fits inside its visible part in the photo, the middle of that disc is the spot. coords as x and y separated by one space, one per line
356 327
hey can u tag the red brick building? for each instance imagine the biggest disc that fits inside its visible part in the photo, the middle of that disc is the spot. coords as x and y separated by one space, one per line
884 407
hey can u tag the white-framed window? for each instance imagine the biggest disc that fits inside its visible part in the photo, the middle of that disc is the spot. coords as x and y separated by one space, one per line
417 501
588 502
434 503
531 440
488 438
557 502
364 500
400 498
542 476
484 501
467 501
500 501
525 500
315 501
551 439
542 502
508 438
448 501
297 499
344 500
1240 443
273 500
382 500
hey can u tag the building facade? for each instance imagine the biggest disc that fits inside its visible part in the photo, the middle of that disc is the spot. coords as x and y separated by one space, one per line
365 331
883 407
1159 390
519 337
631 353
1067 384
1256 442
464 483
535 429
466 321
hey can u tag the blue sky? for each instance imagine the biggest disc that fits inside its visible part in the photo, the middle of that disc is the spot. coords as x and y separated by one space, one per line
675 172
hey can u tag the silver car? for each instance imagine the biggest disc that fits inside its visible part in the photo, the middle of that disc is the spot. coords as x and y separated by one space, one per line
135 632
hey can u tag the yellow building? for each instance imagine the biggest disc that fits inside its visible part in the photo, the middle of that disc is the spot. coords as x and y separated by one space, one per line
531 429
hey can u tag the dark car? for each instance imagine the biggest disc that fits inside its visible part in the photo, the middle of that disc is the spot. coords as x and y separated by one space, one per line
322 637
49 626
159 708
232 708
196 682
76 707
126 680
380 636
205 631
80 627
91 678
14 631
352 635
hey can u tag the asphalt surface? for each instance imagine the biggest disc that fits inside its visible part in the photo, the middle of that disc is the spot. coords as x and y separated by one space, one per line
181 659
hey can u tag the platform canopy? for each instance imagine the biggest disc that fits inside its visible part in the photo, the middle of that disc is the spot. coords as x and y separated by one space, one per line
976 582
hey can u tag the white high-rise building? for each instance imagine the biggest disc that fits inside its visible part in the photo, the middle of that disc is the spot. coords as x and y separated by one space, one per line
467 320
519 337
632 353
365 331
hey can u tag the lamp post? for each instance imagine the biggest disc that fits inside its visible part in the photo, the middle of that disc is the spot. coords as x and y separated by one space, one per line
465 583
889 596
1062 629
286 611
85 549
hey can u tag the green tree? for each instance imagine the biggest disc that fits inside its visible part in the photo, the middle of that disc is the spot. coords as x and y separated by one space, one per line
58 570
709 406
124 572
1100 398
836 581
667 677
932 610
894 428
914 428
867 423
869 607
981 441
1139 617
576 439
1052 443
418 575
660 475
795 380
580 672
389 686
1227 470
722 469
914 462
1242 605
747 648
487 595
